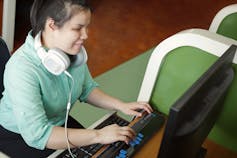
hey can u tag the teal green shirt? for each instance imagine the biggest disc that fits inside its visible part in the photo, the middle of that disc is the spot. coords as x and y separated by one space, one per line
34 100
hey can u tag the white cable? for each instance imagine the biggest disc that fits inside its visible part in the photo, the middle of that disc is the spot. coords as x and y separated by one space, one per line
67 113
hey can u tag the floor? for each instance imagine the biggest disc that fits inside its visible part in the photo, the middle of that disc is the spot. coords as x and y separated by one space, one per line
121 30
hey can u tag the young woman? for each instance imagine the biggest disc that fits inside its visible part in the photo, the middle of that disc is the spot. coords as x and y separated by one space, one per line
45 74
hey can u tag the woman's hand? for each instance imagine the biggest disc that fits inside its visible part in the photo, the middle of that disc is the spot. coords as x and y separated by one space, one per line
114 133
133 107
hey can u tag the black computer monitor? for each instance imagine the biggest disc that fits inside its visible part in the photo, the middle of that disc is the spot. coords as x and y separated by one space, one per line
193 115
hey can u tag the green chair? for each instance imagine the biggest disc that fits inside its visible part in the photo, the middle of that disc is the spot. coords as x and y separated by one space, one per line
225 22
176 63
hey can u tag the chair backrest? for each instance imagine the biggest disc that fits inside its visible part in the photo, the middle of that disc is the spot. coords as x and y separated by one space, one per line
167 76
225 22
5 55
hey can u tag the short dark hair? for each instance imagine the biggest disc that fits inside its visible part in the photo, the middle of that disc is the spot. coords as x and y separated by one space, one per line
59 10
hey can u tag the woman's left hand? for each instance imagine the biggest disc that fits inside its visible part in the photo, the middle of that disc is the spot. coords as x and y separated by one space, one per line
133 107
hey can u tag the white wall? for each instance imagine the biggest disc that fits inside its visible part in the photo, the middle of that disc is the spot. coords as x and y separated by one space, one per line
8 22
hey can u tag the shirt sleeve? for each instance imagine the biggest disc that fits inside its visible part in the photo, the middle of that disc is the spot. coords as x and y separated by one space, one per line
23 89
88 85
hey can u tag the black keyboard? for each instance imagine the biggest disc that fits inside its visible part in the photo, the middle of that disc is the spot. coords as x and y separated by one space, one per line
88 151
145 127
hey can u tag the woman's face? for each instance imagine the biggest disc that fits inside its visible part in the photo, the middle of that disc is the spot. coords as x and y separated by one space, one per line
73 33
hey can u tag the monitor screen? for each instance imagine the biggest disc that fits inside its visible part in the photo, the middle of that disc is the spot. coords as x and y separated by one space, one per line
193 115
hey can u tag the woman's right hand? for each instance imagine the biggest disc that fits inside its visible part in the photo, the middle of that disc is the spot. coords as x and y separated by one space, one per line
113 133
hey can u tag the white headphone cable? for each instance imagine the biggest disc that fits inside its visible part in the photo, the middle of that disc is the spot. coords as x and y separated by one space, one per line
67 113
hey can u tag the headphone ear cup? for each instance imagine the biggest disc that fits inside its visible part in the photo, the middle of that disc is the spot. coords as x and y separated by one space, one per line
56 61
81 58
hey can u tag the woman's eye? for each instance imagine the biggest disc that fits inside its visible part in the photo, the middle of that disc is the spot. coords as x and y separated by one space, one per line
77 29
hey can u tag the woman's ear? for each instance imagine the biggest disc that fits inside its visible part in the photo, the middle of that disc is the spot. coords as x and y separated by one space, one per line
50 24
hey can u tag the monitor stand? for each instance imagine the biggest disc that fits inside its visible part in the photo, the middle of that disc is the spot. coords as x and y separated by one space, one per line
202 153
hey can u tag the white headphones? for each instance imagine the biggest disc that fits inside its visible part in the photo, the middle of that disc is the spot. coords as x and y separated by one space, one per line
55 60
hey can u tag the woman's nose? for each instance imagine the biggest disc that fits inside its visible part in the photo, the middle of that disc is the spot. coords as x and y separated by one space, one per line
84 34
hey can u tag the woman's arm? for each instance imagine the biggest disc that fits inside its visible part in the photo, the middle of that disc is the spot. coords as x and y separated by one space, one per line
106 135
100 99
83 137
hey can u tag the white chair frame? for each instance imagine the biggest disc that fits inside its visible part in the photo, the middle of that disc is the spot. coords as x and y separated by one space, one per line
202 39
219 17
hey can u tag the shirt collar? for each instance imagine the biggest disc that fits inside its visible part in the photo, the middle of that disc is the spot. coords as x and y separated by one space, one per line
29 44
